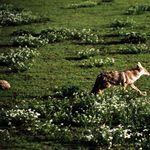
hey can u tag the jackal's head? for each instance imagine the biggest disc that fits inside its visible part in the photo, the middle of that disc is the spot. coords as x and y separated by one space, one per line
142 69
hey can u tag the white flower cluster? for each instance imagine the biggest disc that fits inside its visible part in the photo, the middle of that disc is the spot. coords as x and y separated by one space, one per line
98 62
19 59
82 4
92 39
28 40
110 137
20 116
80 35
60 34
123 23
9 15
134 37
88 53
56 34
139 48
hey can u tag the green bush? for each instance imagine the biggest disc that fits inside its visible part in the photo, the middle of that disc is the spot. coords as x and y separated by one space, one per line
10 15
123 23
138 9
20 59
28 40
134 49
98 62
88 53
68 90
134 37
82 4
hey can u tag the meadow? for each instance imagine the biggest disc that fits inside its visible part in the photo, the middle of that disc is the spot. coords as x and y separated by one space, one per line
51 53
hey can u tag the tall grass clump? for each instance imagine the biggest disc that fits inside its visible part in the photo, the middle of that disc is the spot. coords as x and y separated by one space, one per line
20 59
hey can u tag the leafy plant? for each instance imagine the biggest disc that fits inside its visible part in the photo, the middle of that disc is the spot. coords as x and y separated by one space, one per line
10 15
22 32
92 39
123 23
28 40
68 90
134 37
117 32
82 4
98 62
55 34
88 53
140 9
19 59
20 117
134 49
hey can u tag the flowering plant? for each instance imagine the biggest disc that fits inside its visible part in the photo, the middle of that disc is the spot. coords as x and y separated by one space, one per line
10 15
82 4
88 53
28 40
98 62
134 49
19 59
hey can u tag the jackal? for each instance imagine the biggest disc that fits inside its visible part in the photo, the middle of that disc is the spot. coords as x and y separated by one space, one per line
105 79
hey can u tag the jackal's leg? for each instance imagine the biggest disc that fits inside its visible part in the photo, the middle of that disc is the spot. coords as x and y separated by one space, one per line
134 87
101 92
105 85
124 87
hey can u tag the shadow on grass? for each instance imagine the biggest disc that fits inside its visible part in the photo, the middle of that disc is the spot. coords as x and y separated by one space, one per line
5 45
114 42
73 58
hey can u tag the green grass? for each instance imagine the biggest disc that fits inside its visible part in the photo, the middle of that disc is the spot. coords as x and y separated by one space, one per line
59 64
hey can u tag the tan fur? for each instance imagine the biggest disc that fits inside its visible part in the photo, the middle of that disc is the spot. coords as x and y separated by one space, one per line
4 84
105 79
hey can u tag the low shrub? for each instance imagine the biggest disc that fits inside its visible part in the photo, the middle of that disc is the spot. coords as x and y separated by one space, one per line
55 34
140 9
82 4
20 117
134 49
123 23
117 32
20 59
92 39
88 53
98 62
22 32
134 37
68 90
10 15
28 40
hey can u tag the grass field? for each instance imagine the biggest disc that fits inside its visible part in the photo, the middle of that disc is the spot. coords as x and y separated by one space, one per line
49 105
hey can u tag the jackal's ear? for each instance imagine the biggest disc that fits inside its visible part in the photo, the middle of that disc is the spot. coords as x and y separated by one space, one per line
139 65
